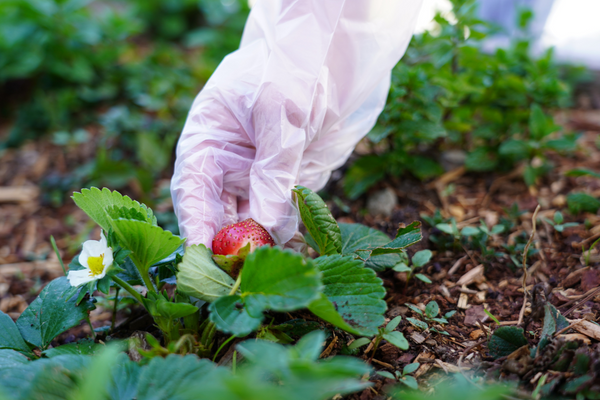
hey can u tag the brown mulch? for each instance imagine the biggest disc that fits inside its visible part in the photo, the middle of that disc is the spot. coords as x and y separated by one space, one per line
29 215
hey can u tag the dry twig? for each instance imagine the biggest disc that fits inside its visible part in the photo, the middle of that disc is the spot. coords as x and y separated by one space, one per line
533 220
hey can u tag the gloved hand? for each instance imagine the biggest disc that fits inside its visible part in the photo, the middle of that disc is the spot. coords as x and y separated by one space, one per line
287 108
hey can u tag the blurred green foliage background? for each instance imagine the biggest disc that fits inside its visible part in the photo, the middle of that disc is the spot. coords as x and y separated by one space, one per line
123 73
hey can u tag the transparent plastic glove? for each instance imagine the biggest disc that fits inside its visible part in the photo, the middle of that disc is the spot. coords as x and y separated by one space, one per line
287 108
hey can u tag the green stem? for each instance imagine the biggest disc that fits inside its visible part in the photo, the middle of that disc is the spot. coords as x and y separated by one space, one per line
221 347
58 254
114 316
148 282
91 326
236 286
129 288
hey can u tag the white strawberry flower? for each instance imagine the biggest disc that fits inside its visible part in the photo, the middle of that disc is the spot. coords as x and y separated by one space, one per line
96 257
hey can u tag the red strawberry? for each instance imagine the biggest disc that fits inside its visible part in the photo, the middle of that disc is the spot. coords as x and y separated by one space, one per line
234 237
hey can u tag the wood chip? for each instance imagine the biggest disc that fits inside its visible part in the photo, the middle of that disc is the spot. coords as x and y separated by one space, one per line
329 348
463 301
448 368
474 275
384 364
476 334
571 337
30 268
18 194
424 356
457 265
417 337
574 277
588 328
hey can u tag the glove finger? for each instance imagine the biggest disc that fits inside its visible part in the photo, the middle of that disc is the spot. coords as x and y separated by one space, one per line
211 157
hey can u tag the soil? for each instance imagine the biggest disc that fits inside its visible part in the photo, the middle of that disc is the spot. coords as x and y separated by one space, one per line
33 207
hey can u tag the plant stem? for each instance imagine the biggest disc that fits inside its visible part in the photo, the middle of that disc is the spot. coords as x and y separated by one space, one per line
236 286
223 345
91 326
379 338
58 254
114 316
129 288
148 282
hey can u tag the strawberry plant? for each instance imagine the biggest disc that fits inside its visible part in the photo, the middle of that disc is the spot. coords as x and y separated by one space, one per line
418 260
429 317
447 93
209 303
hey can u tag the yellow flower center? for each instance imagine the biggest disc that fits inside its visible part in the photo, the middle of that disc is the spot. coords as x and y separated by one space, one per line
96 265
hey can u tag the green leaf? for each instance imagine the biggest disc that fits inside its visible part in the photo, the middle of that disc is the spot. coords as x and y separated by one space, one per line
530 175
497 229
421 258
377 134
414 308
404 238
432 309
386 374
85 346
318 221
397 339
553 321
200 277
446 228
324 309
516 149
50 314
558 217
175 310
125 378
273 371
272 279
97 204
582 202
466 231
424 167
423 278
359 343
410 381
164 378
94 385
358 236
355 292
481 159
284 280
402 268
364 173
418 323
11 337
538 124
505 340
410 368
424 130
582 172
393 324
230 314
148 243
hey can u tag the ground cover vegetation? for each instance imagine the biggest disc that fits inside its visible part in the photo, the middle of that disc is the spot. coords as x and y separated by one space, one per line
479 283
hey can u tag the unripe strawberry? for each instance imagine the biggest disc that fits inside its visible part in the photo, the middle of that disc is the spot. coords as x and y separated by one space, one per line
234 237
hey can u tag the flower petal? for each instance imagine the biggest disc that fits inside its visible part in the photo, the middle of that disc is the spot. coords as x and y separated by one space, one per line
93 247
103 240
108 258
83 258
80 277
